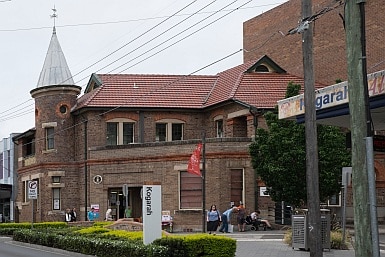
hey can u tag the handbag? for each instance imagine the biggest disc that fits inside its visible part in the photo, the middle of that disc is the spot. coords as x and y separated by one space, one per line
219 218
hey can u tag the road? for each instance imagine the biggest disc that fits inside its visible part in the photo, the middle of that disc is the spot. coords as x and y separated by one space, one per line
249 244
11 248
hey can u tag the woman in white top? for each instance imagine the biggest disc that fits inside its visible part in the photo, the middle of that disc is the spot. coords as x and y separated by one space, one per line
108 215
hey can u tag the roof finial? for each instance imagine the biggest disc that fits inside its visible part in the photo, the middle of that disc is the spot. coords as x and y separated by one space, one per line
54 16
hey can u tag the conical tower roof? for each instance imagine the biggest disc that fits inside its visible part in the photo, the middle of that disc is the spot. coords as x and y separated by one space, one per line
55 69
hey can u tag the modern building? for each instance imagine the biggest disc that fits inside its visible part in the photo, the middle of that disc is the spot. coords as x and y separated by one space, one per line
8 179
127 130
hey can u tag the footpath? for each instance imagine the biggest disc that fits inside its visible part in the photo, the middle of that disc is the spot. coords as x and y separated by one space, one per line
270 244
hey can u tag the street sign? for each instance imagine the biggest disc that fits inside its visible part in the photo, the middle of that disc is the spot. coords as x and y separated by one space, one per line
32 189
346 176
125 189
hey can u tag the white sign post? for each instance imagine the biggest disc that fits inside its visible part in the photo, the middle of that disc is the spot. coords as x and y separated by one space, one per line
32 194
32 189
152 213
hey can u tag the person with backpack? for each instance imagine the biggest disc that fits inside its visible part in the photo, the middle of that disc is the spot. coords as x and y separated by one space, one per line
213 219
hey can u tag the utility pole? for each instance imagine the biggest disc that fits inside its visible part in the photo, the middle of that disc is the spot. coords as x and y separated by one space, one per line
312 172
360 127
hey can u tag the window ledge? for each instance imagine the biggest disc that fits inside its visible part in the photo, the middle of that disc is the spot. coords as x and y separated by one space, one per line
50 151
192 211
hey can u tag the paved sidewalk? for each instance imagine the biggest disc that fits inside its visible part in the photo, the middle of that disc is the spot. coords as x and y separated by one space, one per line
270 244
280 249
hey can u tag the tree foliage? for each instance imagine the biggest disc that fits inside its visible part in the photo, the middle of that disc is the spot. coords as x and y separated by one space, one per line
279 157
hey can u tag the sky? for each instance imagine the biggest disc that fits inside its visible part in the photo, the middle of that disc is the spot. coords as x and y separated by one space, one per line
115 36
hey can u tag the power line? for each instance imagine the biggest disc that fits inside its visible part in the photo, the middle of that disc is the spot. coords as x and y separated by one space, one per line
304 23
15 106
157 25
124 21
162 42
168 17
221 10
133 40
180 78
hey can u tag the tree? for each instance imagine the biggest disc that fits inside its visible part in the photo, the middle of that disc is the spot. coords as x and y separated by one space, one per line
278 157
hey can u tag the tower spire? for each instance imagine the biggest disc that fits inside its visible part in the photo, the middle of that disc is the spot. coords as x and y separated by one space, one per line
55 70
54 16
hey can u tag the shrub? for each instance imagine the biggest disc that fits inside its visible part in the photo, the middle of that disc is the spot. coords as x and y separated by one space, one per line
92 230
102 242
90 246
337 242
199 245
34 225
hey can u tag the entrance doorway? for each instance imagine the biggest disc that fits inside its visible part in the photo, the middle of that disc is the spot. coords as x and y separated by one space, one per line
120 203
117 202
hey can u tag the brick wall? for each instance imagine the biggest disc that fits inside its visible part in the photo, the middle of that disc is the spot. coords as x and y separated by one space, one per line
261 35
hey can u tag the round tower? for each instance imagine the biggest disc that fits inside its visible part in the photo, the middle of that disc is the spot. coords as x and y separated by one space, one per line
55 96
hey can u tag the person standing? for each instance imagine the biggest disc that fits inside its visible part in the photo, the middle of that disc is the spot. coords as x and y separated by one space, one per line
108 215
73 214
241 218
91 214
226 219
68 215
213 219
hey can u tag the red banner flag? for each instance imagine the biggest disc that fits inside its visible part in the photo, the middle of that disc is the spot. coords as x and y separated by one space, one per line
195 160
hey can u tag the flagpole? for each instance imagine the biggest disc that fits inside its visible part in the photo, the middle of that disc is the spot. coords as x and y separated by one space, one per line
203 182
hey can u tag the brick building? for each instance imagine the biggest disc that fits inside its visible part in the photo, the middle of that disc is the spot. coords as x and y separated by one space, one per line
268 34
262 35
132 129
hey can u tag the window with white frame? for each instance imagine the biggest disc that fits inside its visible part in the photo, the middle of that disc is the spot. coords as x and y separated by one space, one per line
219 127
335 200
56 179
190 191
55 198
120 132
169 130
49 138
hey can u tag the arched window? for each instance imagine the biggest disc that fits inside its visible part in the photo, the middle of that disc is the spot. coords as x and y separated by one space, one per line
262 68
169 130
120 131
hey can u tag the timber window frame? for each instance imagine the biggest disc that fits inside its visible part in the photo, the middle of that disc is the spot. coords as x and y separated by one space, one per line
190 191
169 130
120 131
56 199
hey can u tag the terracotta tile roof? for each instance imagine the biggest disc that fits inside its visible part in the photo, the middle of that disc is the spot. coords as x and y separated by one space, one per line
146 91
259 89
265 90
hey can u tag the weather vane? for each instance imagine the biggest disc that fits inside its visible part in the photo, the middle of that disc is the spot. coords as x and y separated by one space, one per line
54 16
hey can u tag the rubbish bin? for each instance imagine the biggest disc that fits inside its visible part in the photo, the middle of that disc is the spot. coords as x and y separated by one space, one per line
300 230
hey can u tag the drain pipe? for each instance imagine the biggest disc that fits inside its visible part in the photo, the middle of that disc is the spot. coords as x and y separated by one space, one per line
256 113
